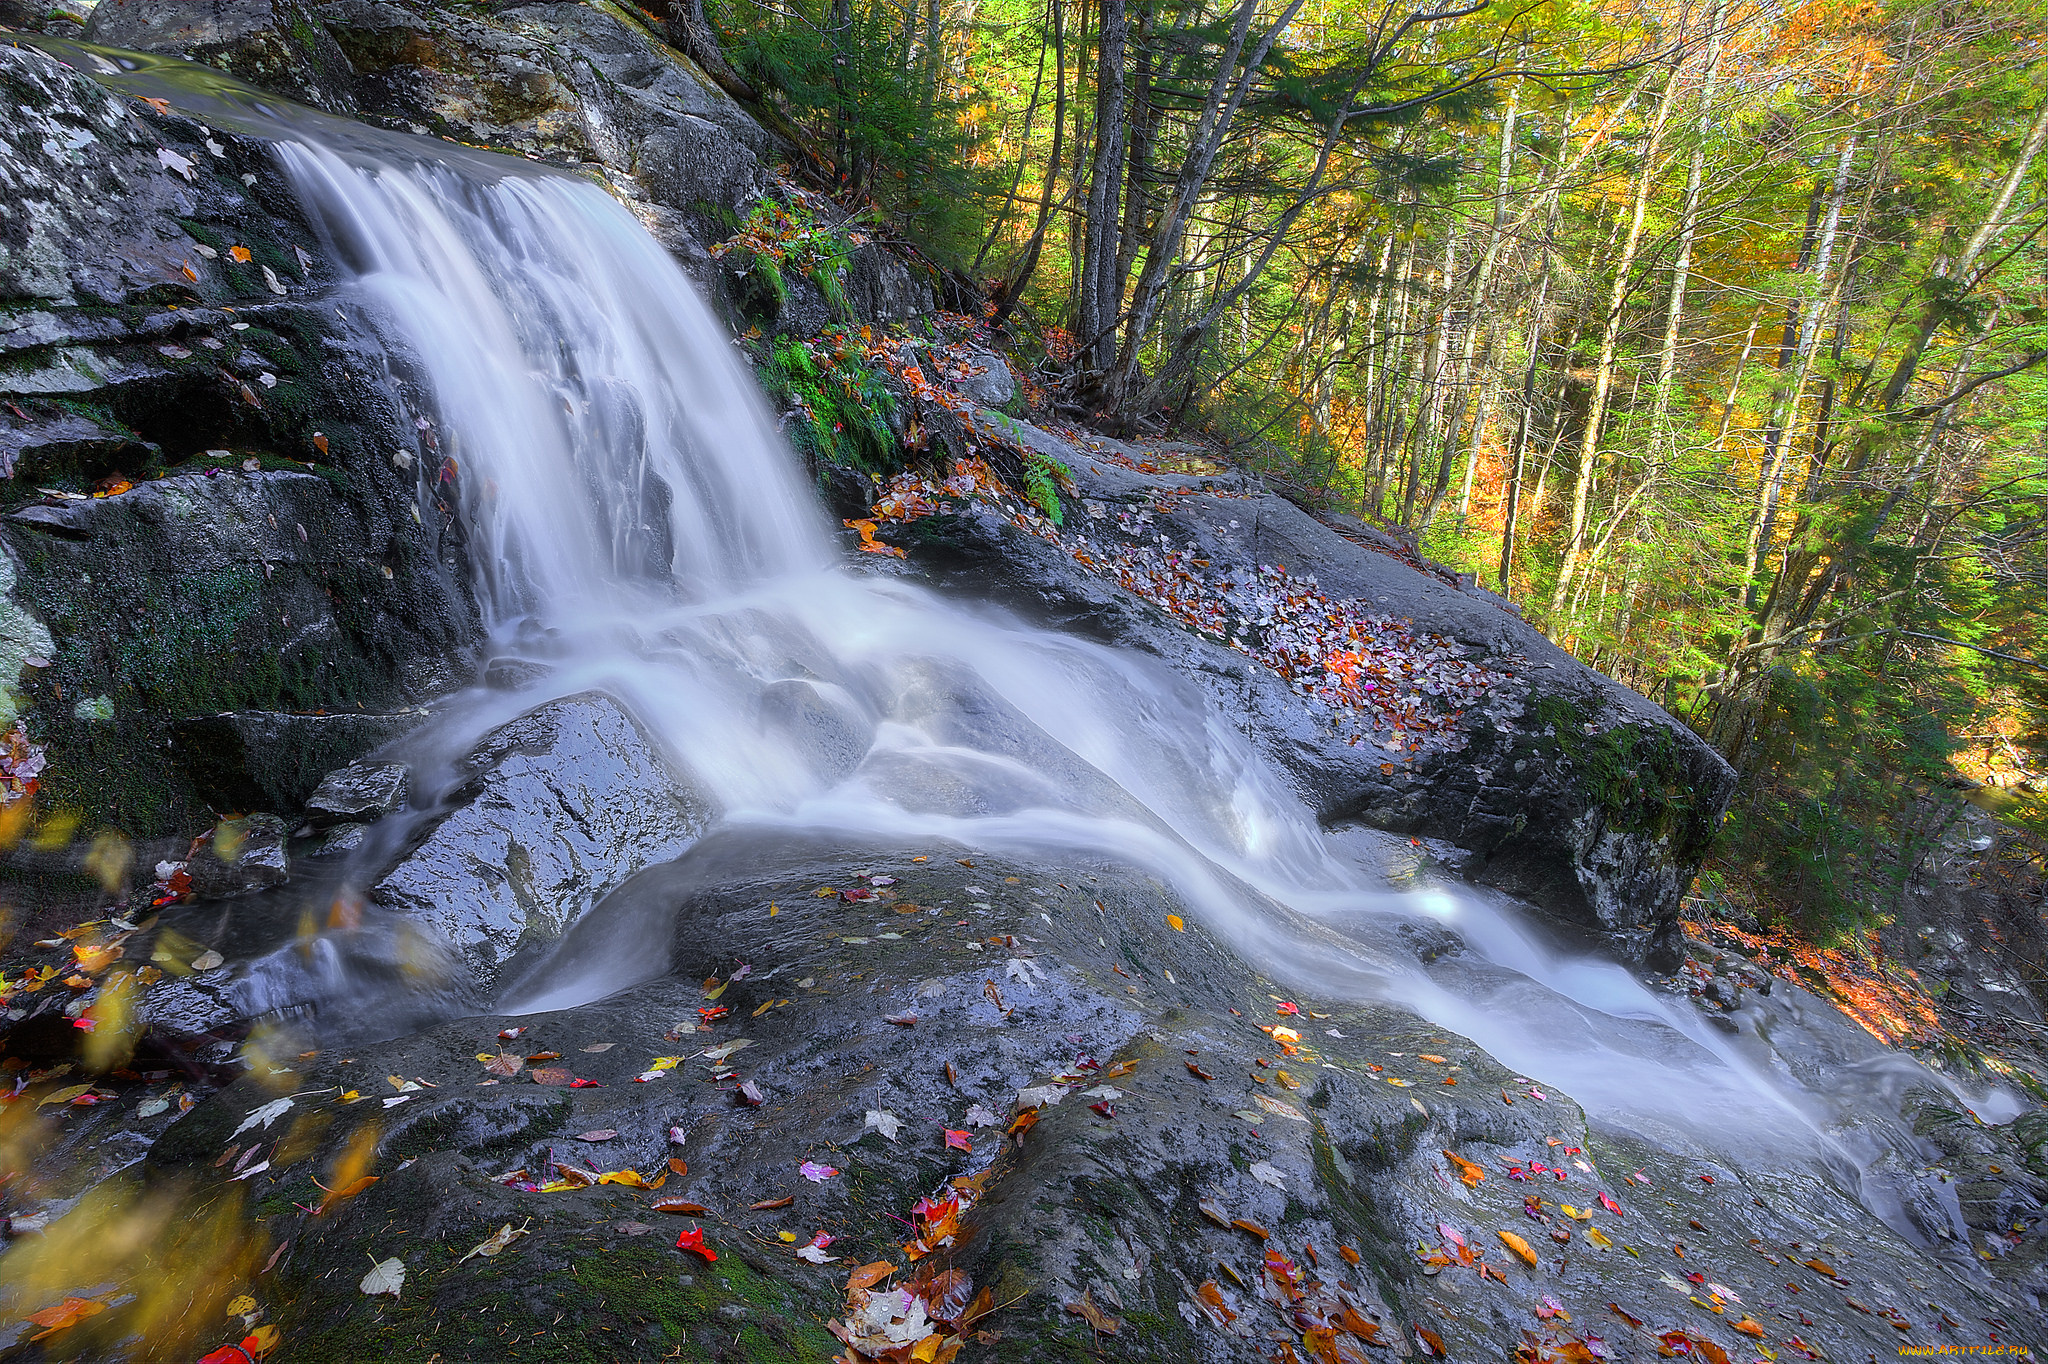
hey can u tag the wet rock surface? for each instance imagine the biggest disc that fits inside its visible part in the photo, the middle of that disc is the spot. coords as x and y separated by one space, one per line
1194 1172
1568 789
561 805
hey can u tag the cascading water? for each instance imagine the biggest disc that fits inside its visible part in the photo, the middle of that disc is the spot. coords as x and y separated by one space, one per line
640 529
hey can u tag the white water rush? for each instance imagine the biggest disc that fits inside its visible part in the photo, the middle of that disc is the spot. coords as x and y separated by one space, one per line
639 528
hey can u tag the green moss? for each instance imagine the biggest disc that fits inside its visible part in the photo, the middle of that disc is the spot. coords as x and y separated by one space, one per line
1638 776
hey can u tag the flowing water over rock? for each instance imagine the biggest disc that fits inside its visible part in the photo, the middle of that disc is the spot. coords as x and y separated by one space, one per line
694 713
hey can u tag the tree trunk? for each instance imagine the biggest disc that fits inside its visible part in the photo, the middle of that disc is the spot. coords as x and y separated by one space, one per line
1610 337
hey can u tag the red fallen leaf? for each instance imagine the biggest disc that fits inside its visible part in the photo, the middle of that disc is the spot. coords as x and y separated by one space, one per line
770 1204
1102 1109
1291 1010
1695 1278
678 1205
1611 1206
693 1240
904 1020
508 1034
959 1141
1706 1179
1198 1072
1633 1321
1450 1233
715 1011
750 1094
586 1084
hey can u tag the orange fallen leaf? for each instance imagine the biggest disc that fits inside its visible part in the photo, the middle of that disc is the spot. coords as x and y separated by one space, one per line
681 1206
868 1275
347 1191
1522 1249
1176 923
1351 1257
1468 1172
1244 1224
65 1314
1750 1328
239 254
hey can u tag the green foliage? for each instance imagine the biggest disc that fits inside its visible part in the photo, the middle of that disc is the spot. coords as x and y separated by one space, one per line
854 78
844 406
1043 476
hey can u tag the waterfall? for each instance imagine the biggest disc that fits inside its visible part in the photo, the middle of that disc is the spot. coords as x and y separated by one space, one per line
638 525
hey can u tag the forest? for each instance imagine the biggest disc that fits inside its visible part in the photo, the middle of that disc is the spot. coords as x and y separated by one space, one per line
1711 335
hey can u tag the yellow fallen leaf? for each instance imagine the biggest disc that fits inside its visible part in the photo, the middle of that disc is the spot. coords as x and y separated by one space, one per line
1597 1237
630 1178
1577 1214
262 1340
1521 1248
665 1063
1176 923
787 1235
242 1306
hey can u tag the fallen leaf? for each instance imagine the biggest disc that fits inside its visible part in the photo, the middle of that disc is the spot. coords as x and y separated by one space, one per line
959 1140
1087 1311
240 254
1198 1072
888 1124
1245 1224
693 1240
1522 1249
601 1134
815 1172
495 1242
65 1314
1279 1107
385 1276
1176 923
261 1117
678 1205
1469 1173
770 1204
599 1046
1351 1257
347 1191
903 1020
1211 1297
1750 1328
1265 1173
868 1275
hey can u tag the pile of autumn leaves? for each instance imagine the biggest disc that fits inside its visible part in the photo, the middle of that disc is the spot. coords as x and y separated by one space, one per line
1379 678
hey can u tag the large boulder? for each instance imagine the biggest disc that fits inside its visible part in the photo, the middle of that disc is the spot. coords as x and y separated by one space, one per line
1559 785
211 554
274 44
1191 1183
559 807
